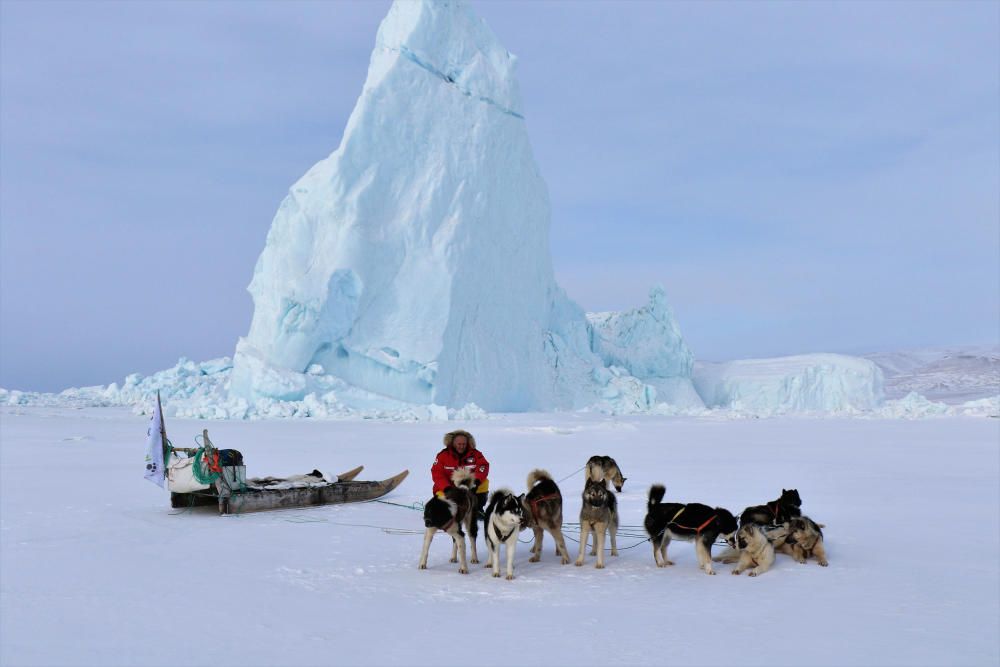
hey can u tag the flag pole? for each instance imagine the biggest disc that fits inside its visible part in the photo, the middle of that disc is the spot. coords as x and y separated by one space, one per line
163 430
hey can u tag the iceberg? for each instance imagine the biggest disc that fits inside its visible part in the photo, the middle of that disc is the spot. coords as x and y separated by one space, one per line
414 261
647 343
829 383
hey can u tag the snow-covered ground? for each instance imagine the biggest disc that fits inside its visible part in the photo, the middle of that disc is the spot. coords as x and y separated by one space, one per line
949 375
98 570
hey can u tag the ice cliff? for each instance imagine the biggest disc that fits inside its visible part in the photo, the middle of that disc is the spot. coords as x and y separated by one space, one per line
832 383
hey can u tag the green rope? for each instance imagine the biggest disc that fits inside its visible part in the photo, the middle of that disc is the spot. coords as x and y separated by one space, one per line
208 477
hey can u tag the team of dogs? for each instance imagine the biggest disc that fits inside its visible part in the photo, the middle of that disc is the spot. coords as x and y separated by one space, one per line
762 530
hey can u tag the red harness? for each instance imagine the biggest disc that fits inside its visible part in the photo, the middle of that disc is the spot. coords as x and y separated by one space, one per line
697 531
534 503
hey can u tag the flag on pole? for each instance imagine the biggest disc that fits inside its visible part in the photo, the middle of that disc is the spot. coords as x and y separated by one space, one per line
156 439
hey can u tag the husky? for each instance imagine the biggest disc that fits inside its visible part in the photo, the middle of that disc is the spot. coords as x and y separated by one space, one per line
692 522
775 512
604 467
543 511
598 514
756 551
504 515
775 535
805 539
450 514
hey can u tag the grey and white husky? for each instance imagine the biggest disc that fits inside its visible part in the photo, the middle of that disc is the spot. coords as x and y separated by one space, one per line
604 467
504 515
598 514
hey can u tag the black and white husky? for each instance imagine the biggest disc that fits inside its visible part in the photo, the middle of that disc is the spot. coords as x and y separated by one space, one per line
453 512
504 515
692 522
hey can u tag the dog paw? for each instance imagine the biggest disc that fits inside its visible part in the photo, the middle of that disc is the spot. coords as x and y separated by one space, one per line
753 573
737 572
510 577
823 563
710 571
670 562
496 574
422 566
463 570
475 561
614 552
452 560
579 562
599 566
801 562
534 559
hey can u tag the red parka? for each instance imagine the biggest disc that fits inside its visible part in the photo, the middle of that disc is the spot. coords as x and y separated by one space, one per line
448 459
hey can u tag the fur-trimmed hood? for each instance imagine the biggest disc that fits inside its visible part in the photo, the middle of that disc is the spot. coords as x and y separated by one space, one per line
448 437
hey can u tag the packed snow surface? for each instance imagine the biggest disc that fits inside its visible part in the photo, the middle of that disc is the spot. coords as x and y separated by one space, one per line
98 570
414 261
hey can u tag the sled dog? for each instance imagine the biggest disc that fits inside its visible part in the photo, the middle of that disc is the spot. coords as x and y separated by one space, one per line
599 514
804 539
453 512
756 551
504 514
604 467
543 511
692 522
775 512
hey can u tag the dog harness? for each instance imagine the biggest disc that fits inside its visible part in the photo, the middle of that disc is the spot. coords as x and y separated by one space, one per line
534 503
697 531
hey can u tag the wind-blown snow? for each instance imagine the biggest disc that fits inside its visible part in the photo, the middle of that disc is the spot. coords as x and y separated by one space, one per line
414 261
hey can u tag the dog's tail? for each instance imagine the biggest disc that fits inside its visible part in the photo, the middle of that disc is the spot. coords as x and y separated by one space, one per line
656 493
536 476
463 477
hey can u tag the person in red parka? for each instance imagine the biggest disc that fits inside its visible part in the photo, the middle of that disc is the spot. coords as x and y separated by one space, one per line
460 452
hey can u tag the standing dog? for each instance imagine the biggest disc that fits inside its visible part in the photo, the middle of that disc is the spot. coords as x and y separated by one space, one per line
598 514
804 539
604 467
755 550
693 522
450 514
504 515
543 511
775 512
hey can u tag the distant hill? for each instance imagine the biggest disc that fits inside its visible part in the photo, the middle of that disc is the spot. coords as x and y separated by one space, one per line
947 374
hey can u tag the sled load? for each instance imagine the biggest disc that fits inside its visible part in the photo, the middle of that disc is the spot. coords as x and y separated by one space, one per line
207 475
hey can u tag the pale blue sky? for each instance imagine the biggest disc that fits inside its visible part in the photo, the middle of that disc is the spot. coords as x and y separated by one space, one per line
799 176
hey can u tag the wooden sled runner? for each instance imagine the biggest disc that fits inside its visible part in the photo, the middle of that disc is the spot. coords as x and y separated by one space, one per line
234 494
251 499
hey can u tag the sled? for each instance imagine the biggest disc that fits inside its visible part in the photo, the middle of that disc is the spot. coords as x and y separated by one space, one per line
256 499
234 494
